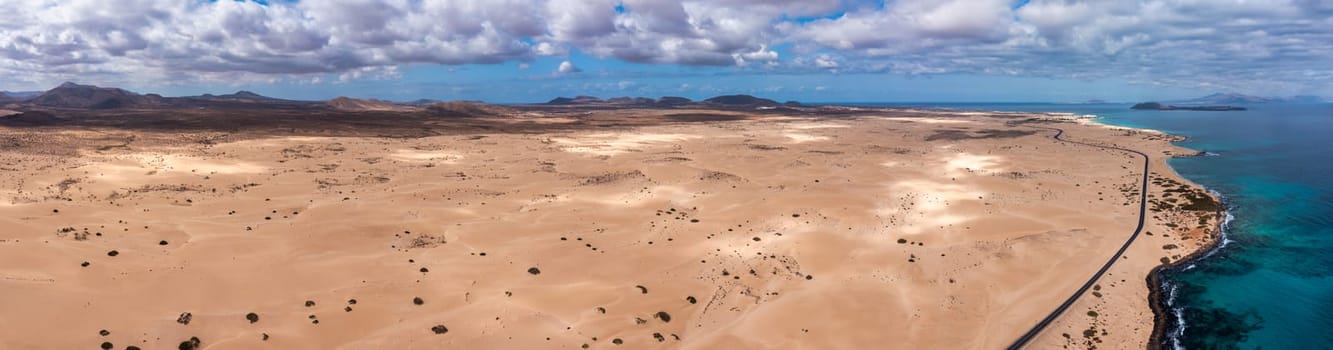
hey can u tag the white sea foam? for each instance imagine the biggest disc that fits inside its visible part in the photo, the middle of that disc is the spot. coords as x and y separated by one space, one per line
1174 337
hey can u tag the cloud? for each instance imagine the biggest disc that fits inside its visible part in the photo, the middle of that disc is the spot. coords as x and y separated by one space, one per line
763 54
1271 46
912 25
696 32
566 67
826 61
1282 46
549 49
229 40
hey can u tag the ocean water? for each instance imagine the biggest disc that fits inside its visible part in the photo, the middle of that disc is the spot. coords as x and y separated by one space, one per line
1271 285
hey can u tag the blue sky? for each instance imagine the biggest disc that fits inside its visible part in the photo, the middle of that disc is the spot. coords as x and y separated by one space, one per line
505 83
813 50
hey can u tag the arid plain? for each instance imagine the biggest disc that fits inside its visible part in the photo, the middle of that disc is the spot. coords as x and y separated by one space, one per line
567 228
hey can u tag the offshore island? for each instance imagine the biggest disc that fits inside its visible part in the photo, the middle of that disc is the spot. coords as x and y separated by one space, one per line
244 221
1164 107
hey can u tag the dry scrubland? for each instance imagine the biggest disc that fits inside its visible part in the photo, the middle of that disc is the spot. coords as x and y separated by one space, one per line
568 229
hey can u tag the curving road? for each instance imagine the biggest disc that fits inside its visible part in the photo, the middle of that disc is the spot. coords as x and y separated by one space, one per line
1143 207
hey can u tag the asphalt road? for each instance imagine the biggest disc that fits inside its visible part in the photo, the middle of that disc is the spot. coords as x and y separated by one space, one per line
1143 208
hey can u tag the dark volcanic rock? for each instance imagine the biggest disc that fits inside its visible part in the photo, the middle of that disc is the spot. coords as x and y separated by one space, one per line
439 329
252 317
191 344
184 318
534 271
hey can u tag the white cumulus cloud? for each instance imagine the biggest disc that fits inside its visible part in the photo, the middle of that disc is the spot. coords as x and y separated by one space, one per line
1262 46
567 67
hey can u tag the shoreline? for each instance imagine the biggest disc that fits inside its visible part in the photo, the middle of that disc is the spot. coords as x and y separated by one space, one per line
1163 319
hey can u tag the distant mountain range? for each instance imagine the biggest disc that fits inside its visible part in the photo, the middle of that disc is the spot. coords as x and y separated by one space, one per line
1240 99
18 95
1163 107
71 95
239 96
619 101
742 101
77 96
448 109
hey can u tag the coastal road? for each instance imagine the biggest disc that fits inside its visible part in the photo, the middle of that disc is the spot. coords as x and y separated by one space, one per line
1143 208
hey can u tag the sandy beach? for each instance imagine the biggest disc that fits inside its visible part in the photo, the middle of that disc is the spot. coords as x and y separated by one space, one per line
630 228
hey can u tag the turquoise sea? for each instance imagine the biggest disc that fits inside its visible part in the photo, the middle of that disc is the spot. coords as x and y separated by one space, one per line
1270 285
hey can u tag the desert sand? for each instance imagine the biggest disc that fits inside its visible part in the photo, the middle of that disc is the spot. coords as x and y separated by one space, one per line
864 229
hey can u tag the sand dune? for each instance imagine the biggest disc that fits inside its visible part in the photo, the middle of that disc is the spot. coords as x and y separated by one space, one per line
605 144
964 164
768 231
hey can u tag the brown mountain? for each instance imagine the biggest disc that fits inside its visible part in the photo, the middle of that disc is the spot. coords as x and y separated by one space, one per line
360 105
71 95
